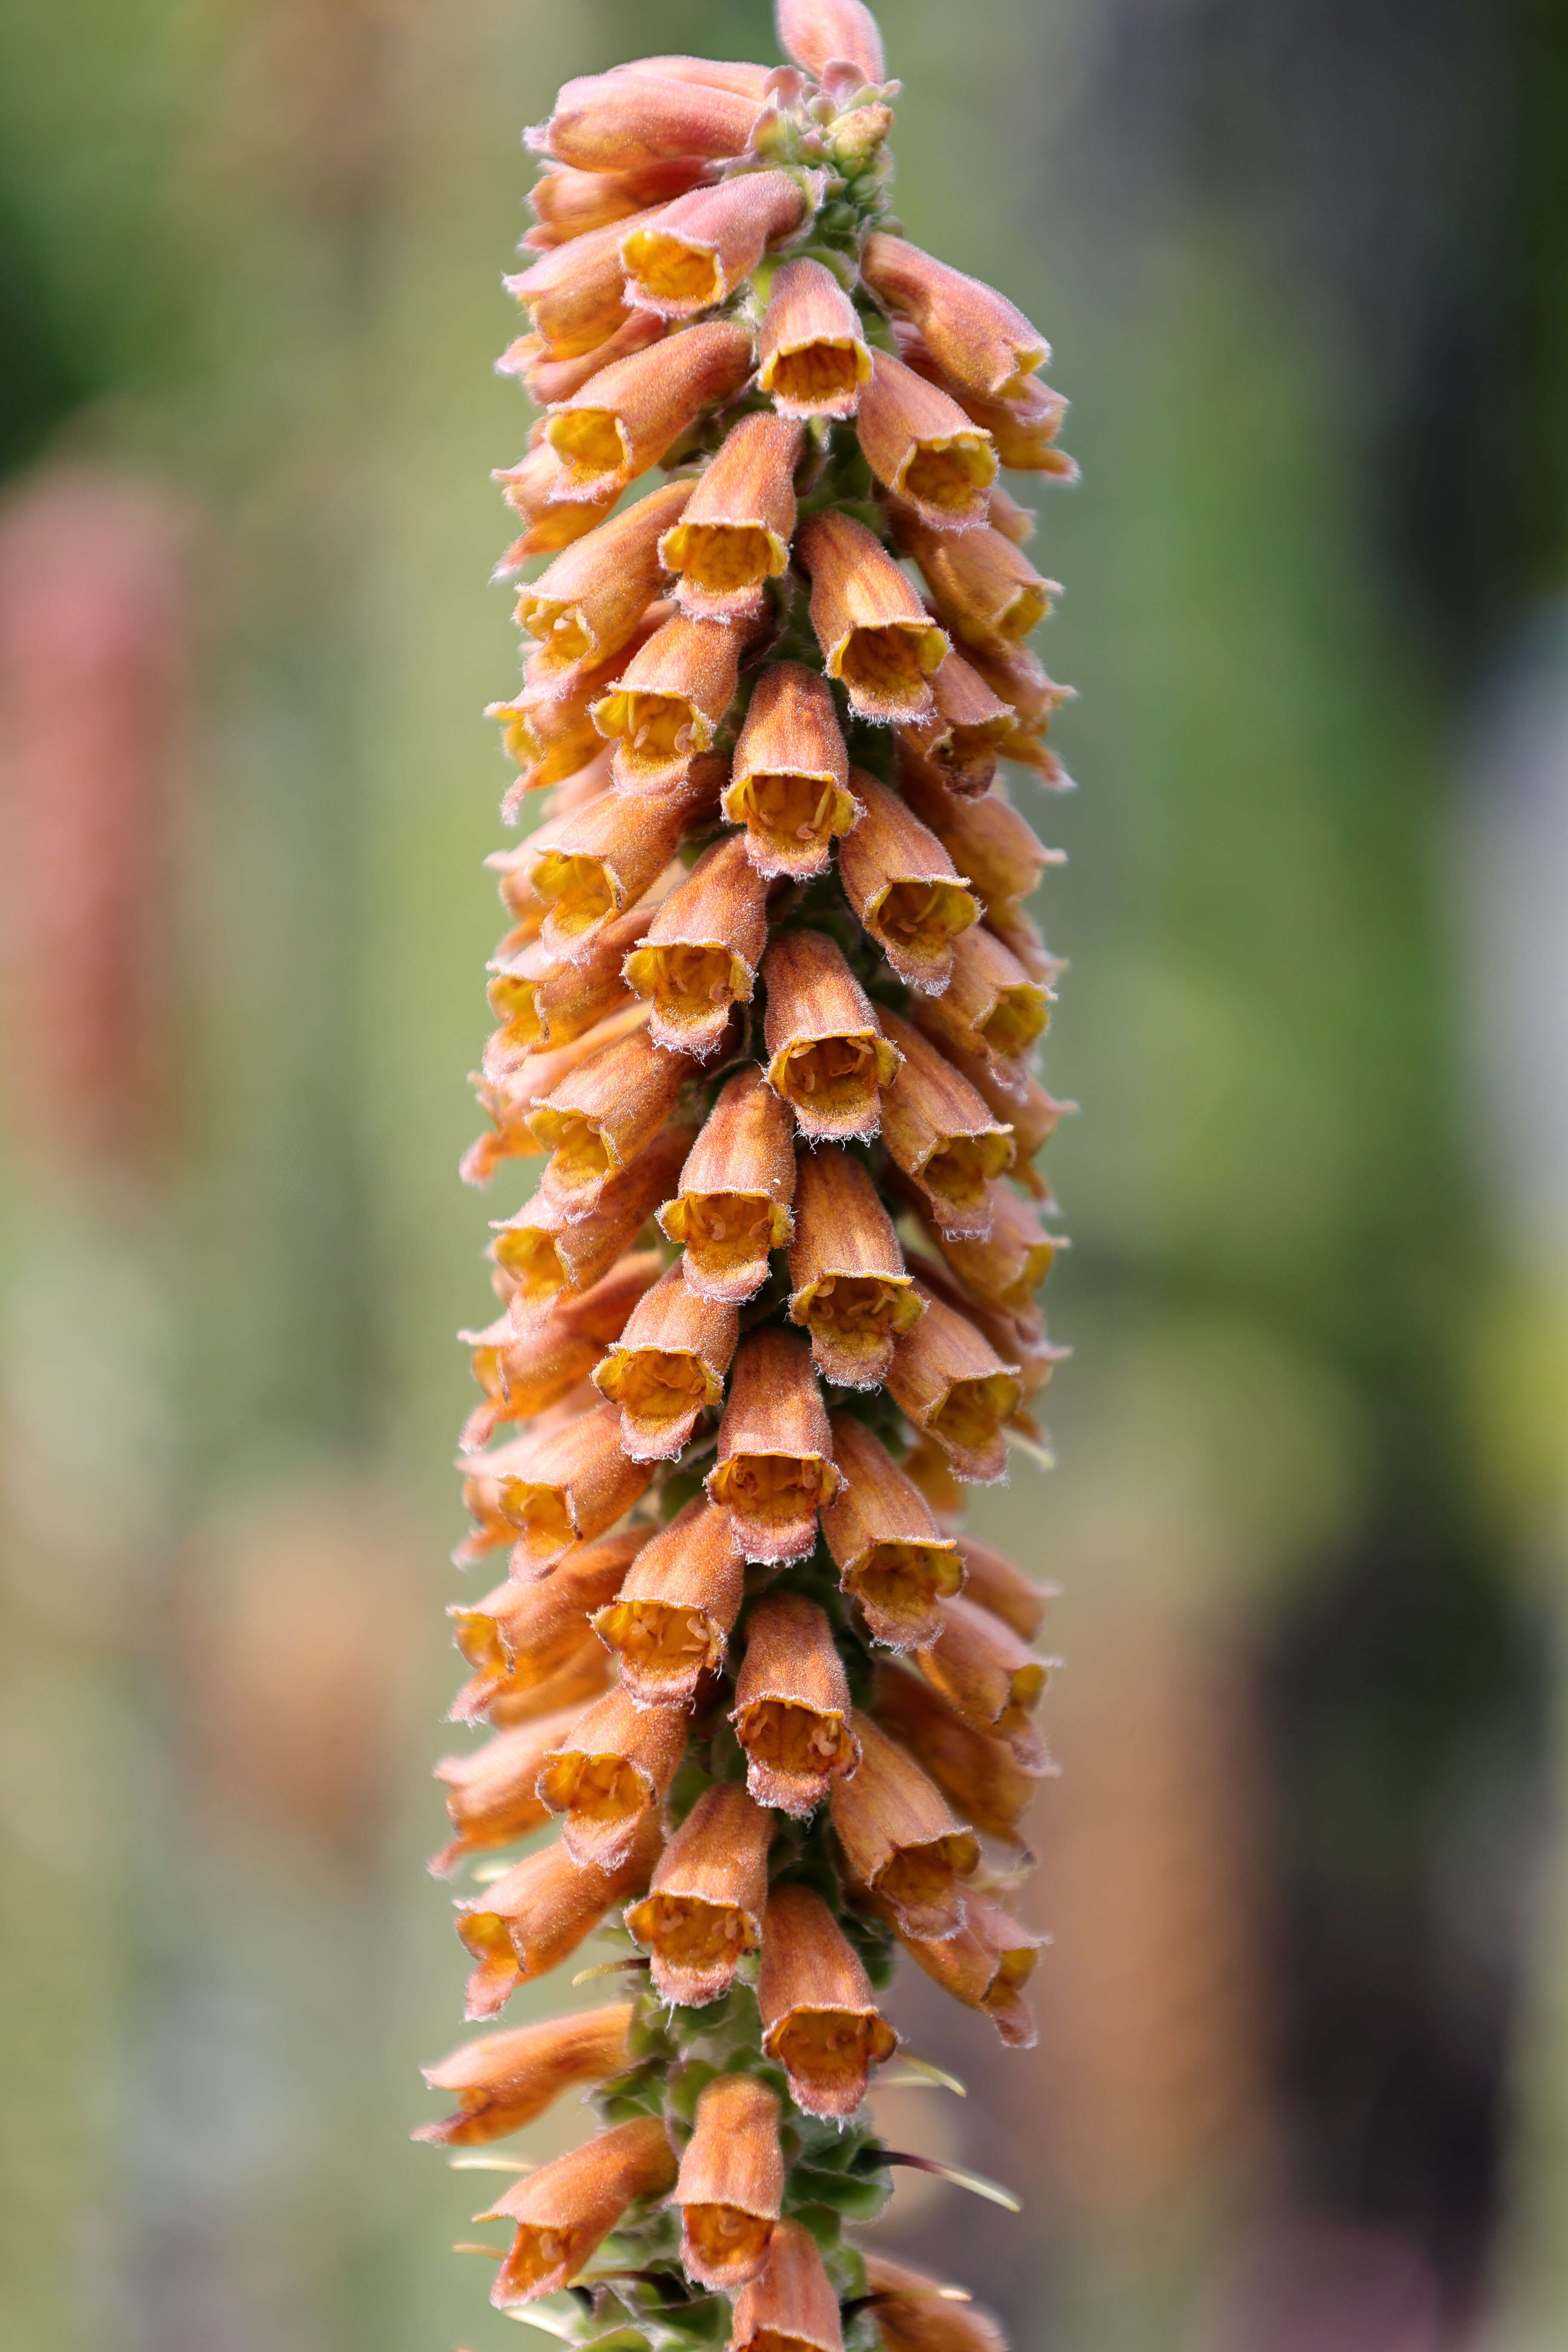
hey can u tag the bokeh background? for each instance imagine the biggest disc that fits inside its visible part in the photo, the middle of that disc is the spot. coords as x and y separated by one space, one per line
1302 2081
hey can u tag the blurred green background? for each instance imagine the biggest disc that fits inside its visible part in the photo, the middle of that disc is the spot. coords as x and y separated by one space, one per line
1302 2081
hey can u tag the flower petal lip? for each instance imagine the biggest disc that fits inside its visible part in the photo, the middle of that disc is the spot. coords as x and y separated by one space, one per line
738 522
625 418
544 1907
508 1088
669 1624
699 955
904 887
698 249
792 1704
890 1552
1023 429
731 2187
980 340
814 33
985 1966
992 1581
535 489
828 1057
789 783
667 1367
813 360
732 1205
544 999
626 121
775 1464
899 1838
610 1774
820 2020
923 449
503 2081
587 604
979 1775
565 2210
517 1637
703 1911
951 1384
941 1132
668 702
528 1374
547 378
849 1283
873 630
792 2303
594 1124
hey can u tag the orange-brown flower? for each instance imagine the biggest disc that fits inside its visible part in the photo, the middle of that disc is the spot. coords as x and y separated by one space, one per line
733 1202
624 419
668 702
963 740
570 203
912 2315
888 1549
550 737
980 340
517 894
789 785
510 1086
904 887
999 850
1005 1266
668 1366
703 1911
1009 920
594 1124
635 116
792 1704
503 2081
899 1838
979 1775
1024 430
593 863
826 1054
547 377
485 1476
731 2188
609 1776
535 489
993 1583
668 1624
1018 523
820 2020
697 250
545 999
527 1923
492 1796
815 32
921 445
990 1008
1019 1337
1022 682
699 959
985 1966
941 1132
575 295
951 1384
582 1675
563 1486
991 1679
813 356
775 1464
984 588
736 530
541 1251
874 632
847 1281
527 1372
792 2306
567 2209
520 1634
1015 1096
583 607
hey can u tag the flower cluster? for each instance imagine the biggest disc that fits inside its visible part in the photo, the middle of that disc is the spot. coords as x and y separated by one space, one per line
767 1012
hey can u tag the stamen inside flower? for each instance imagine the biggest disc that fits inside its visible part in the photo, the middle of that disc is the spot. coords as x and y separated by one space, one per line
723 1231
562 628
690 1935
792 818
796 1742
835 1077
918 1881
724 2239
827 2052
723 558
817 375
590 443
605 1789
541 2257
659 1638
654 729
577 890
885 664
923 918
582 1156
685 981
852 1315
539 1514
655 1384
773 1490
672 269
947 473
900 1582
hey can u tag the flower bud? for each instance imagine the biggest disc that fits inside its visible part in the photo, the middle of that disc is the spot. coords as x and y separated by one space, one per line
668 702
566 1485
624 419
888 1549
812 357
545 999
848 1282
570 202
792 2306
520 1634
700 956
991 1582
504 2081
525 1374
874 632
567 2209
820 2020
583 607
960 744
594 1124
668 1366
733 1202
981 1776
792 1704
979 339
609 1776
593 863
491 1792
991 1679
942 1134
954 1385
984 588
1005 1266
628 119
576 295
789 785
536 489
542 1909
899 1838
826 1054
737 528
731 2188
814 33
903 886
774 1466
541 1251
698 249
985 1966
990 1008
668 1624
911 2314
703 1911
922 447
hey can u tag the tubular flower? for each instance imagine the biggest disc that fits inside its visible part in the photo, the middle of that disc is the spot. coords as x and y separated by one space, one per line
668 1624
820 2022
703 1911
848 1282
730 2186
792 1704
789 785
765 1018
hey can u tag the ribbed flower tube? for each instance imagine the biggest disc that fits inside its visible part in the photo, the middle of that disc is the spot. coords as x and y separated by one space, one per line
750 1710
